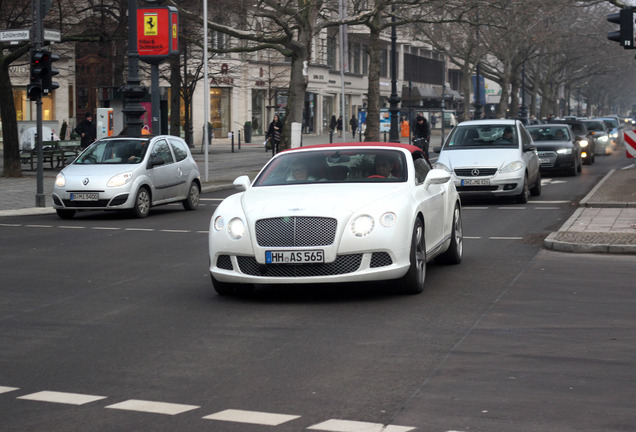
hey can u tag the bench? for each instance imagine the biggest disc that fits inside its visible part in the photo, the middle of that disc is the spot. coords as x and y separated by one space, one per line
53 152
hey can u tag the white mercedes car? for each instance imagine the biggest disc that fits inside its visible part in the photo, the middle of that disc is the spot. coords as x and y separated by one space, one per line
333 213
493 158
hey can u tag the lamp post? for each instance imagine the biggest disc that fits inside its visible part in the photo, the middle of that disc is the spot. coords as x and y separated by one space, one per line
133 91
394 100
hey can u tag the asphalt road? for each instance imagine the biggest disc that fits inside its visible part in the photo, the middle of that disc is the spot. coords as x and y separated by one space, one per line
111 324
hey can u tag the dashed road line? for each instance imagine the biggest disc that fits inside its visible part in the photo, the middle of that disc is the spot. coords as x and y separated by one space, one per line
251 417
153 407
62 397
4 389
355 426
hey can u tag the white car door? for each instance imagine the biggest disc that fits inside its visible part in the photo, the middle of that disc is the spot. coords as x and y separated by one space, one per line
432 204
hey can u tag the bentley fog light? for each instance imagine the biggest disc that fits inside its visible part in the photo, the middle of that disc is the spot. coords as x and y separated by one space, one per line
362 226
219 223
388 219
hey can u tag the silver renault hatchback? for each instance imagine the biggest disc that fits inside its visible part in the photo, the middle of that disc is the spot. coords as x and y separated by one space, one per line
123 173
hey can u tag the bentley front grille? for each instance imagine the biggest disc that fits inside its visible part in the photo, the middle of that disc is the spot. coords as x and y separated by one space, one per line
296 231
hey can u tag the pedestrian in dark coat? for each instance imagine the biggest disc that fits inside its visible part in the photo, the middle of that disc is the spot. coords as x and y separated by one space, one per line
273 133
339 127
354 125
87 130
332 124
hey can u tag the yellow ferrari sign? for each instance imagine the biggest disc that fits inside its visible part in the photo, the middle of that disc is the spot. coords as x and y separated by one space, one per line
151 25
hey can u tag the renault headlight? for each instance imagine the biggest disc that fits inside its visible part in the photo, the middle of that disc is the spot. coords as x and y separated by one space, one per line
512 167
120 179
60 180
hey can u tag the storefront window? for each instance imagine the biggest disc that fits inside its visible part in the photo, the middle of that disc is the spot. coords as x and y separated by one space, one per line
259 98
220 111
327 111
26 110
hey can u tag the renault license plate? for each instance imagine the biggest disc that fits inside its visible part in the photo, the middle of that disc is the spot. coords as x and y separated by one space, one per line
84 196
295 257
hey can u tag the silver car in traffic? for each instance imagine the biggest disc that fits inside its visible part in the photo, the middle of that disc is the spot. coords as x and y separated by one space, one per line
492 158
124 173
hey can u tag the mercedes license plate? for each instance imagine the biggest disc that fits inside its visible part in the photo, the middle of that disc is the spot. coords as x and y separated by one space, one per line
85 196
294 257
475 182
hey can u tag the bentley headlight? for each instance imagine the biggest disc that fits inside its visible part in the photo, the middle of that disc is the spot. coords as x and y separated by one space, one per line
60 180
583 143
442 167
120 179
388 219
564 151
236 228
219 223
362 225
512 167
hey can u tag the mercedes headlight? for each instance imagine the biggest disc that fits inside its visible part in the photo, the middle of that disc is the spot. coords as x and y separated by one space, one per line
362 225
512 167
120 179
441 166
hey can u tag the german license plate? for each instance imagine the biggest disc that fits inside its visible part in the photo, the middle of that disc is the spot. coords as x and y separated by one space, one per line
294 257
476 182
85 196
544 160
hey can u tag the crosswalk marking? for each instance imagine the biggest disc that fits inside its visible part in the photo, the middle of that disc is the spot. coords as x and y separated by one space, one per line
7 389
356 426
62 397
251 417
152 407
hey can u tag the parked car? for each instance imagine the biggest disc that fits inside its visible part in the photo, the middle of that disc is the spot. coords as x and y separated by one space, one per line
584 138
602 141
491 158
125 173
333 213
557 147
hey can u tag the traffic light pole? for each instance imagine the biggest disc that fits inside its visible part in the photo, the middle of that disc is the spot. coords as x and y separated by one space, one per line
40 200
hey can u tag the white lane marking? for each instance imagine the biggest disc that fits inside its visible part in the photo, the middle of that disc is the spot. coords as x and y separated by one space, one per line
70 227
140 229
10 225
251 417
61 397
152 407
475 208
106 228
355 426
547 208
176 231
550 202
511 208
505 238
203 232
38 226
471 238
8 389
211 199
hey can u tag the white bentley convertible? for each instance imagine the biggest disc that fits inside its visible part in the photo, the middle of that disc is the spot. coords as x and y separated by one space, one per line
333 213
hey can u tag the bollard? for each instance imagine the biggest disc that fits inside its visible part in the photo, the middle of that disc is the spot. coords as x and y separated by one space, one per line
239 139
330 136
231 134
385 136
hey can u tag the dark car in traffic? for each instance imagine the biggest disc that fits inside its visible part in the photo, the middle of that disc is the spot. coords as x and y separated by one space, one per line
557 147
584 137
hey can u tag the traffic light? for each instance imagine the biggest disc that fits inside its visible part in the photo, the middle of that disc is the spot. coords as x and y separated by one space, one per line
48 85
34 89
625 36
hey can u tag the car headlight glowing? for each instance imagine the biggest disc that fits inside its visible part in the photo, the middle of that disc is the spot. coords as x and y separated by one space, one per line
219 223
236 228
583 143
512 167
564 151
388 219
120 179
60 180
362 225
442 167
603 138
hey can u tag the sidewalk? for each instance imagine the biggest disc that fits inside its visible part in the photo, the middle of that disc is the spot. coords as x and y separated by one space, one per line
605 221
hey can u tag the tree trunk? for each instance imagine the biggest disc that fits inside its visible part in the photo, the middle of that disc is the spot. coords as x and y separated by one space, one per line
11 146
372 132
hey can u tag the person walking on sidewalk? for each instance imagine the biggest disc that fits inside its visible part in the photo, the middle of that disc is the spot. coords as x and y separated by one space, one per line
273 133
87 130
339 126
354 125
